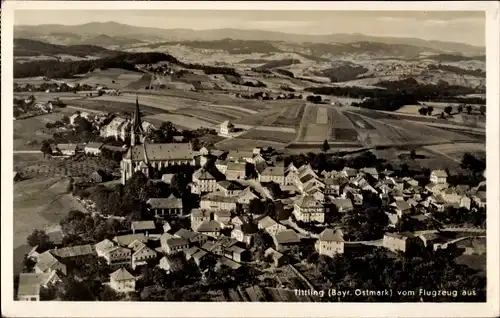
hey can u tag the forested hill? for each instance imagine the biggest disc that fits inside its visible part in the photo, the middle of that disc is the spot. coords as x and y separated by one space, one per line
26 47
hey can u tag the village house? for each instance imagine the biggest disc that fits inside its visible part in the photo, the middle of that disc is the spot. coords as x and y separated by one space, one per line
329 243
371 171
143 227
73 118
103 246
218 201
238 221
147 157
221 165
399 242
236 253
235 171
165 206
193 238
229 188
167 178
480 199
225 261
199 216
30 284
122 281
226 129
93 148
46 263
308 209
220 245
223 217
118 128
332 186
141 254
174 245
203 182
270 226
241 156
434 241
211 228
67 149
73 252
278 258
171 264
125 240
438 177
117 255
244 233
285 239
401 208
349 172
273 174
246 196
342 205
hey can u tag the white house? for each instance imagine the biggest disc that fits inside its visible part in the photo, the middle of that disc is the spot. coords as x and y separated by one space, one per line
329 243
438 177
122 281
226 128
93 148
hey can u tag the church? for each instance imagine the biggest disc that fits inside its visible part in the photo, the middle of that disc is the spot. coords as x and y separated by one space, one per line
146 157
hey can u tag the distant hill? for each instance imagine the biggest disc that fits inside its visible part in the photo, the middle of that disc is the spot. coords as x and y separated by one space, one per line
114 29
26 47
279 63
106 40
228 45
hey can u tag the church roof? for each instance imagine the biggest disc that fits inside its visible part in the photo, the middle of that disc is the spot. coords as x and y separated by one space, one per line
178 151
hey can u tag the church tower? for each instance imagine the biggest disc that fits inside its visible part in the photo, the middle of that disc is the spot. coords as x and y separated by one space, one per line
137 134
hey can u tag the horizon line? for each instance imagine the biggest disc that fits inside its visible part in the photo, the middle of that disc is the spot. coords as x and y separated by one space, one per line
248 30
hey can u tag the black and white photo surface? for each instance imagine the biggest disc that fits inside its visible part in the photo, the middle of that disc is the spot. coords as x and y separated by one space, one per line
267 155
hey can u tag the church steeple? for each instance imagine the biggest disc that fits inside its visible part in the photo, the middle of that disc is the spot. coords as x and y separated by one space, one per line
137 132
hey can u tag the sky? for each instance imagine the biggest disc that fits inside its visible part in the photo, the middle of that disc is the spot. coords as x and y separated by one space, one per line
456 26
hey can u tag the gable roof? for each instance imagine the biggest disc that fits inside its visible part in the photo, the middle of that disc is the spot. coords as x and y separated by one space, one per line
46 261
29 283
136 245
73 251
104 244
121 274
400 235
236 166
186 234
143 225
202 174
273 171
267 222
307 201
209 226
402 205
125 240
439 173
287 237
229 185
330 235
165 203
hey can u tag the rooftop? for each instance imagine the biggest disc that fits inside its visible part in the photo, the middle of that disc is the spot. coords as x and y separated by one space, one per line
287 237
165 203
121 274
331 235
73 251
143 225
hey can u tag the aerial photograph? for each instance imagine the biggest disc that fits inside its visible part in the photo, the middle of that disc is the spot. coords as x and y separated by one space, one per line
249 156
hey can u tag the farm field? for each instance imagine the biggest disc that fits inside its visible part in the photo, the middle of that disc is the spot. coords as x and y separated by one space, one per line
290 116
205 114
43 97
30 132
112 106
341 128
457 150
165 103
111 78
310 130
358 121
180 121
38 203
243 110
270 135
429 159
259 119
245 144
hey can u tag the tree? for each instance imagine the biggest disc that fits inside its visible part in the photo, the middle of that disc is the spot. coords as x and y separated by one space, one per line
460 108
430 109
82 125
325 147
65 119
448 110
469 109
482 109
422 110
256 206
41 239
413 154
46 149
179 182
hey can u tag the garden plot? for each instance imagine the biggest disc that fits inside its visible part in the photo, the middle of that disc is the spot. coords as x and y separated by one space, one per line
310 131
290 116
270 135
